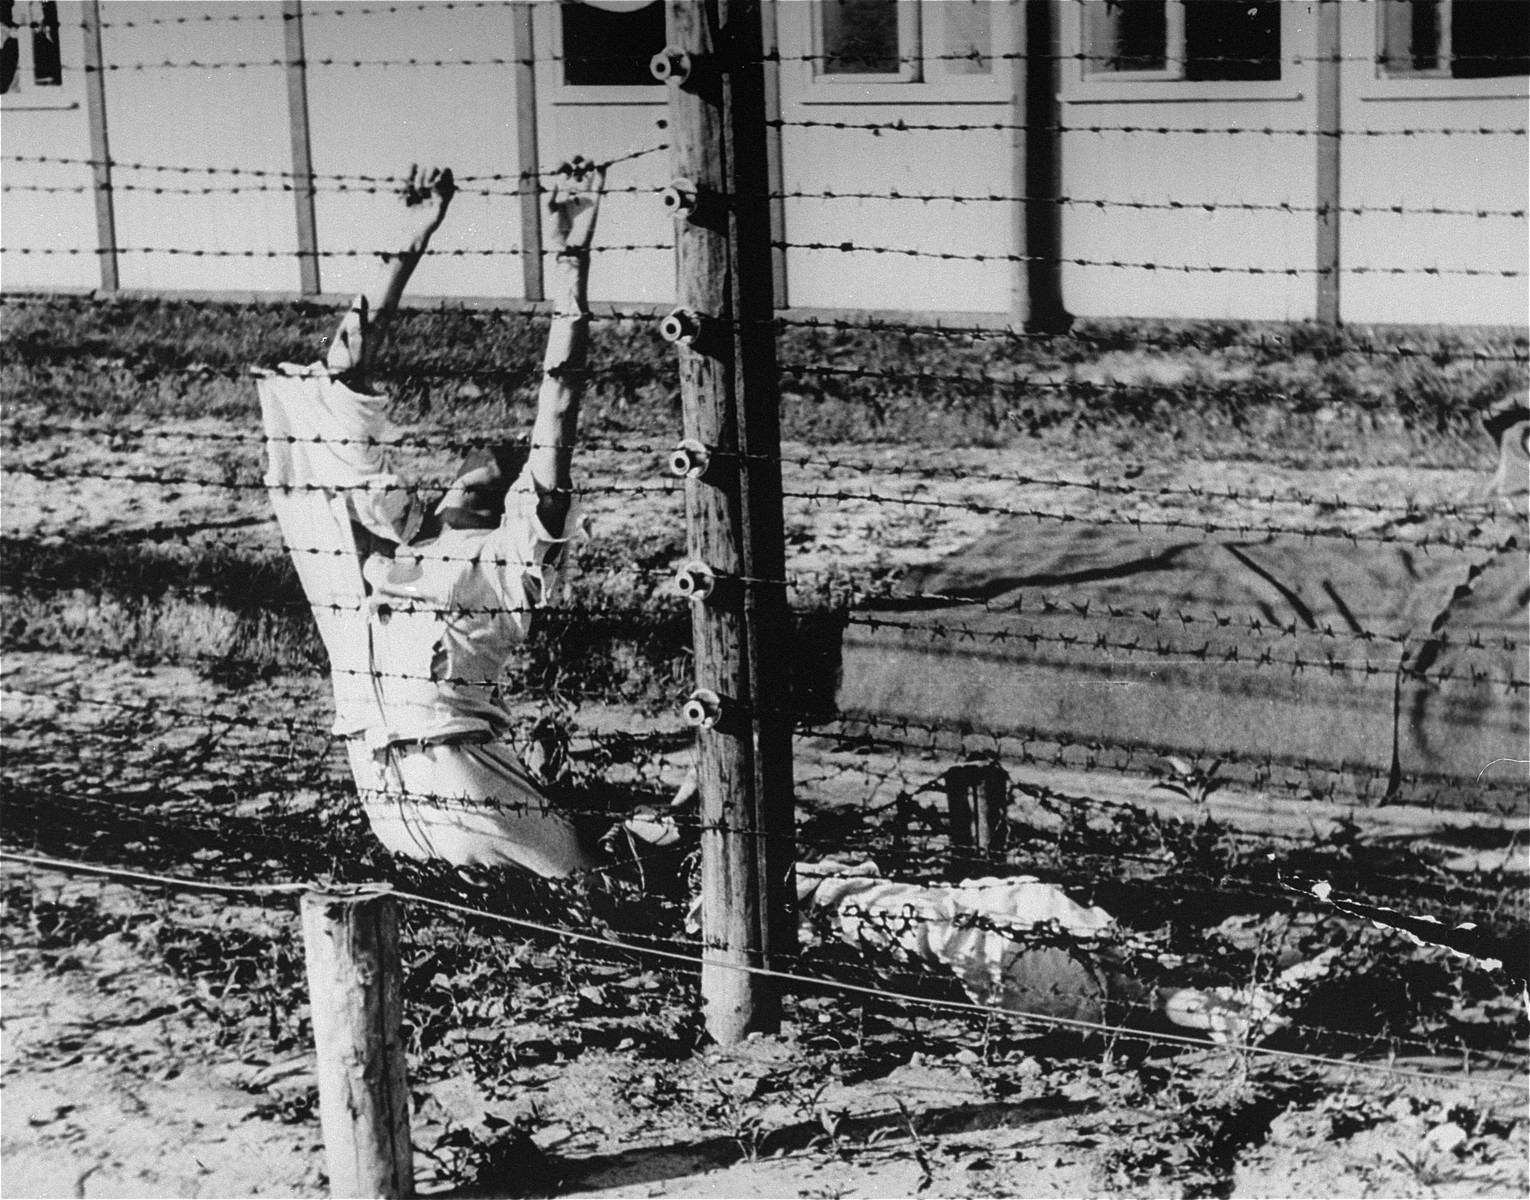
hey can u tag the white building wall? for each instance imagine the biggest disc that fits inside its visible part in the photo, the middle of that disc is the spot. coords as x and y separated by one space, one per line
217 116
606 123
378 120
930 162
1470 171
375 120
1223 170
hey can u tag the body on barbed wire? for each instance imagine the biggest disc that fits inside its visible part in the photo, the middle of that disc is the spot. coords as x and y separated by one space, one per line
421 601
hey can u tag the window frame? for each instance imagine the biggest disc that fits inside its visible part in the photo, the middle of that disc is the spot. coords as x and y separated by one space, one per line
28 94
1174 51
1441 68
921 35
574 94
910 50
1380 84
1080 85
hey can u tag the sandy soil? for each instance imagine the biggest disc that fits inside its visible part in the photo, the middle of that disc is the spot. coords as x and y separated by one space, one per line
110 1088
114 1083
118 1080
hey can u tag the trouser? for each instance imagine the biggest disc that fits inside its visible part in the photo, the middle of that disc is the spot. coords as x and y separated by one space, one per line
983 931
469 804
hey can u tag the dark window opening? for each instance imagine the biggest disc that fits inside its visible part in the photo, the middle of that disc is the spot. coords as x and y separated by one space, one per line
1489 38
860 37
47 68
605 47
1232 39
1426 37
10 46
1128 35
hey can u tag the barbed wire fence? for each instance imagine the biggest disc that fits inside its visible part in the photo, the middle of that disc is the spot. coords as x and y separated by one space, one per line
212 792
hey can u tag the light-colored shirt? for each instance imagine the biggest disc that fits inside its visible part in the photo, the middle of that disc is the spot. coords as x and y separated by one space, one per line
415 640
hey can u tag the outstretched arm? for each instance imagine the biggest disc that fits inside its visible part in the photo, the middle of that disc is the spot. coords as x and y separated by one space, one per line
572 206
427 193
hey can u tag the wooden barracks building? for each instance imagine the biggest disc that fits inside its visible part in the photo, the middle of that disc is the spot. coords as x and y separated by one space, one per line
1354 160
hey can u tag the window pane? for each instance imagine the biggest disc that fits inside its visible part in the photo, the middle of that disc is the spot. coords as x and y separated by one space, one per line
610 47
968 40
1489 38
1126 35
1232 39
860 37
47 70
10 46
1413 36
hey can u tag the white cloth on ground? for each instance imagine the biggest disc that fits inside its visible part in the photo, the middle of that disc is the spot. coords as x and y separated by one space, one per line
966 928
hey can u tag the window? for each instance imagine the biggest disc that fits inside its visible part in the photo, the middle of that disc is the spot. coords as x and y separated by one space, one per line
1194 40
902 41
40 22
608 43
1455 39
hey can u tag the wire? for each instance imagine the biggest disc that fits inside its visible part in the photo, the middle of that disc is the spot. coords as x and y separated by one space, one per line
208 18
904 126
714 962
186 252
849 247
389 186
1409 510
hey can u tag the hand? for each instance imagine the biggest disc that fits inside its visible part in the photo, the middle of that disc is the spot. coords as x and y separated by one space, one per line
432 188
572 204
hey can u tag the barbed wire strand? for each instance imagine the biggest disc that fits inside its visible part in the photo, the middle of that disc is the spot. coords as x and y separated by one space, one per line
692 961
1474 539
1410 510
382 187
1107 339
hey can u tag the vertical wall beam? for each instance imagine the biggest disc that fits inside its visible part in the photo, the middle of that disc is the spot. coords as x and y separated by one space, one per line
355 988
1039 172
1329 196
729 399
774 163
100 146
302 149
528 155
1019 164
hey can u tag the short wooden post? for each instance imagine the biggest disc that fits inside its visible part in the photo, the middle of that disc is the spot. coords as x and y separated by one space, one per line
354 986
1329 196
977 796
302 149
725 333
100 145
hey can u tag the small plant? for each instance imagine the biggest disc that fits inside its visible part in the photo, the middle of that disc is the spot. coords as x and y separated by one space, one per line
1187 780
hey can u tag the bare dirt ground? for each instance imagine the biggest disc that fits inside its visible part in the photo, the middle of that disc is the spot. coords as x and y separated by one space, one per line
135 1067
112 1087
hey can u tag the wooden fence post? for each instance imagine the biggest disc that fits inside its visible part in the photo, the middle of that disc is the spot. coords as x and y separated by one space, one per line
302 149
977 796
355 989
100 146
726 338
